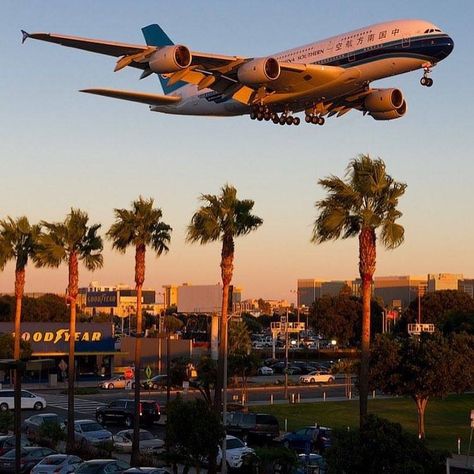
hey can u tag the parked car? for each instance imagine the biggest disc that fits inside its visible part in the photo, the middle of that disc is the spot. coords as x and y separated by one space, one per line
89 432
28 400
7 442
256 426
148 442
30 456
264 370
318 376
308 439
123 410
31 425
103 466
57 464
156 382
279 368
235 453
116 382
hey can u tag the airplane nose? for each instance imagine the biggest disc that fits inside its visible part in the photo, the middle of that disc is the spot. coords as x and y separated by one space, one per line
447 48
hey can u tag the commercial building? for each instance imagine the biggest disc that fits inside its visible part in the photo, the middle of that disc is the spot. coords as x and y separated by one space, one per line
170 295
117 300
399 290
443 281
467 285
308 290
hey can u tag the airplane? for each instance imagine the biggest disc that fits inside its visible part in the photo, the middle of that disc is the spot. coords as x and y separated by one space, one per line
322 79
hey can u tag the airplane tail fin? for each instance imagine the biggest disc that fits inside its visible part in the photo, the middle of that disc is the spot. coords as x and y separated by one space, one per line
155 36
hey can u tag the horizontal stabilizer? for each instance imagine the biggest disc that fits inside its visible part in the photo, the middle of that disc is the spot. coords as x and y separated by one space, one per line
142 97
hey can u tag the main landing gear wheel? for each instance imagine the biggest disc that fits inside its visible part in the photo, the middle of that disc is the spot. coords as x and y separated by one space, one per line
426 81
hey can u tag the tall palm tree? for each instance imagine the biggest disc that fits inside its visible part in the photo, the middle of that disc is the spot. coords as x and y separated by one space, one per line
18 242
222 218
140 228
365 201
69 242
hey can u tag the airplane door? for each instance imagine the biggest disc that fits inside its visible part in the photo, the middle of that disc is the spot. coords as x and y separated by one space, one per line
406 42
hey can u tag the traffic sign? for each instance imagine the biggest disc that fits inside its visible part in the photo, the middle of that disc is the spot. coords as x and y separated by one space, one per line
148 372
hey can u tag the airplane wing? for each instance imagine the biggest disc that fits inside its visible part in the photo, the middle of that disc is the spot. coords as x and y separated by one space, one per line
144 98
214 71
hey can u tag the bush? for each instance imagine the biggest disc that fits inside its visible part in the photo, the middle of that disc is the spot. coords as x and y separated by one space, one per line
382 446
50 433
275 460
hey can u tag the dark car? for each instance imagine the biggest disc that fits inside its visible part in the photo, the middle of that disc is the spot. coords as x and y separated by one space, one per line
279 368
7 442
32 425
122 411
156 382
30 456
102 466
252 426
308 439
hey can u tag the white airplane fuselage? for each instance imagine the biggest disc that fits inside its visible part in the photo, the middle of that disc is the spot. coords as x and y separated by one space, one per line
370 53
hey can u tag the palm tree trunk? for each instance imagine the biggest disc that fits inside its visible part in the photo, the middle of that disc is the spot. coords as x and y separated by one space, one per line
72 296
227 267
139 280
420 407
367 257
19 290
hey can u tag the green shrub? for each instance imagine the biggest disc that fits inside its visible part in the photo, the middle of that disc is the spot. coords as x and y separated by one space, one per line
6 421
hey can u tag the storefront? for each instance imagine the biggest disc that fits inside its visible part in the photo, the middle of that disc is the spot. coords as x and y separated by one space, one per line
94 348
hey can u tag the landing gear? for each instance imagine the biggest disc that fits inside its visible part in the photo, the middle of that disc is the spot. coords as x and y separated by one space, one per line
314 119
426 80
262 112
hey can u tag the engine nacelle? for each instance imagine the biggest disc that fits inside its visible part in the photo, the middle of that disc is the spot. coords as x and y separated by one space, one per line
259 71
170 59
384 100
391 114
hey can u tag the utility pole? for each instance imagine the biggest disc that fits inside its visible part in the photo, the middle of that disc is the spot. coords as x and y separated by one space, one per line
419 303
286 355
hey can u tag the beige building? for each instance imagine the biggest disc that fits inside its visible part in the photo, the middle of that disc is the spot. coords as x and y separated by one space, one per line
443 281
399 290
170 295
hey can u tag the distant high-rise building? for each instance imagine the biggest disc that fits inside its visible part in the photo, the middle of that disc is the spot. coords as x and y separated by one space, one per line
170 295
334 288
467 285
443 281
308 290
399 291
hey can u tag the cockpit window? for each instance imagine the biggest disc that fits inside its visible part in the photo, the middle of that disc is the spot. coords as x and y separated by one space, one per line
433 30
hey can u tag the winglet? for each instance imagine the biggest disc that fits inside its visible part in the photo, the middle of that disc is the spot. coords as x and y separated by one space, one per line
25 35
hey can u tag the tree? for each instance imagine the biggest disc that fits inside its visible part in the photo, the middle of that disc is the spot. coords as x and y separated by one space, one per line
194 431
69 242
171 325
7 341
422 367
140 227
381 446
239 338
437 306
252 323
18 242
366 201
222 218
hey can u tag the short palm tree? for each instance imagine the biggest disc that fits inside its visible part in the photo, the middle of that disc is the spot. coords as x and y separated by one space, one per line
69 242
365 201
139 227
223 218
19 243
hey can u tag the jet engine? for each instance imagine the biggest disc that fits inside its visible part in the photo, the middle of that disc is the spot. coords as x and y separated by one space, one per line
170 59
259 71
383 100
391 114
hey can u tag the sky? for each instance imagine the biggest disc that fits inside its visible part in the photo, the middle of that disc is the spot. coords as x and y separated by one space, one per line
61 149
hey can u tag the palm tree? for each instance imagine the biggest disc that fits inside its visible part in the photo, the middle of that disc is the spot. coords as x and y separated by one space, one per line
18 242
68 242
139 227
223 217
365 201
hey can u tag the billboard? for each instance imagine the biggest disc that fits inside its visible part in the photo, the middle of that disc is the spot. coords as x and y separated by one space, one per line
201 299
101 299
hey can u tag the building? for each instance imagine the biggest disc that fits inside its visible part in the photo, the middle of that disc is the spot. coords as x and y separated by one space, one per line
444 281
467 285
170 295
398 291
334 287
116 300
308 290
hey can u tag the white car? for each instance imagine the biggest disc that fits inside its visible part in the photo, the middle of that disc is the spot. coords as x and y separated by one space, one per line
28 400
264 370
116 382
148 443
236 450
57 464
317 377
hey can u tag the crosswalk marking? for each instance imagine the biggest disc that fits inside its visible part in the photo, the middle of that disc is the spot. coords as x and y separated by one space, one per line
81 405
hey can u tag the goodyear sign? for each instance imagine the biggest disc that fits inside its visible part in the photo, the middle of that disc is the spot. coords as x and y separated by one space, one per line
101 299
